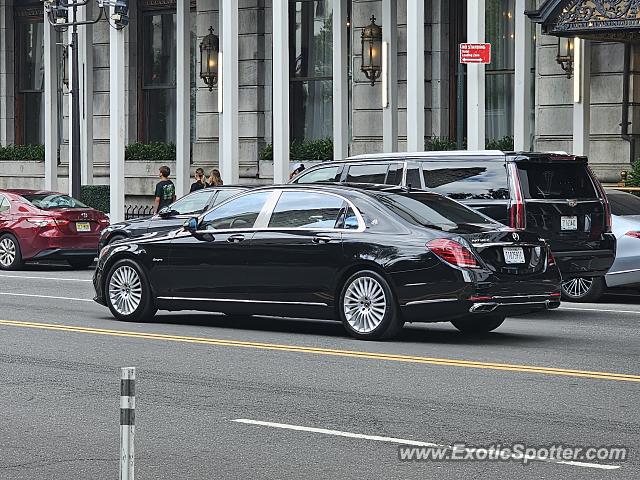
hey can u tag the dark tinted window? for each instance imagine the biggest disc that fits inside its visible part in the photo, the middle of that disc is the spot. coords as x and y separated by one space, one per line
241 212
413 177
327 174
623 203
306 210
469 180
51 201
226 194
559 180
372 173
394 176
193 203
429 210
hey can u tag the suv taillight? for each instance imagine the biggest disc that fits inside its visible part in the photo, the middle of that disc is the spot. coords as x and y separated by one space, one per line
452 252
550 259
603 197
517 216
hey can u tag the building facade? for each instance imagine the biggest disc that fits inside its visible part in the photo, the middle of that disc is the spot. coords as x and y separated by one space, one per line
290 72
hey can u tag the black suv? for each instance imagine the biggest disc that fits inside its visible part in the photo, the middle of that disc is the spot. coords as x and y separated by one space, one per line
553 195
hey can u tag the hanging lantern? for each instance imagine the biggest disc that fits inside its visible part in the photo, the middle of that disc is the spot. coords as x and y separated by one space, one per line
371 39
209 49
65 67
565 55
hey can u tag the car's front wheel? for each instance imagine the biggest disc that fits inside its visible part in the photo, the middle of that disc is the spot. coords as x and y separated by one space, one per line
128 293
368 308
583 289
478 323
10 255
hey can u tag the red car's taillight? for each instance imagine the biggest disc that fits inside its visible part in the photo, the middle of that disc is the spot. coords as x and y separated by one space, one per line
605 200
42 222
452 252
517 216
633 234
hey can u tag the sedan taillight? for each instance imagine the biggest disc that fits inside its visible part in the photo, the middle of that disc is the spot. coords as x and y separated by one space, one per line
452 252
42 221
550 259
633 234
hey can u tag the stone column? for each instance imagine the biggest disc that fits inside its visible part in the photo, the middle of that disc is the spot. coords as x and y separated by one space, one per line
475 78
280 91
415 76
183 98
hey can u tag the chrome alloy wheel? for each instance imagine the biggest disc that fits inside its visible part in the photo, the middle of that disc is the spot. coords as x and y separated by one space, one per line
125 290
577 287
7 252
365 304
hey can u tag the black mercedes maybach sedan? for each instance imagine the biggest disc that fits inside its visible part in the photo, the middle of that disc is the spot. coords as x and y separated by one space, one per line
373 258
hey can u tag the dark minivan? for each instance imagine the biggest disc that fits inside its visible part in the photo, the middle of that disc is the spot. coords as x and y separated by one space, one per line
554 195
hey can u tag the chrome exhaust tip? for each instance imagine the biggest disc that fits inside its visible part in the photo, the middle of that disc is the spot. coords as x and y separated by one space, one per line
483 307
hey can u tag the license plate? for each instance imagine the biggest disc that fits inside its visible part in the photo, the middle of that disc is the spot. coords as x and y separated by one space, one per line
513 255
83 227
569 223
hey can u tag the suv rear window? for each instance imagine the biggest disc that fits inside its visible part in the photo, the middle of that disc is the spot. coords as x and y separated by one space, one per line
555 181
370 173
469 180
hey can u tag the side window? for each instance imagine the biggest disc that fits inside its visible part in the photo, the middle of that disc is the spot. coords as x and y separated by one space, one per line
4 204
413 176
371 173
193 203
225 194
327 174
469 180
241 212
350 220
394 176
306 210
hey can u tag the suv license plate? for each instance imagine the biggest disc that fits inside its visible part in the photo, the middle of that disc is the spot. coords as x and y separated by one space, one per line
569 223
83 227
513 255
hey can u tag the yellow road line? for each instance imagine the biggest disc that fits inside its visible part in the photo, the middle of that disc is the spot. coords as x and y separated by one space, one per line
328 351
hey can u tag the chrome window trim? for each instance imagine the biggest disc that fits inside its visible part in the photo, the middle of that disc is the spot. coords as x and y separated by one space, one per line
232 300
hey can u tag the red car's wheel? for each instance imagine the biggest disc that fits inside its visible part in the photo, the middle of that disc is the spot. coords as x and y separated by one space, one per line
10 255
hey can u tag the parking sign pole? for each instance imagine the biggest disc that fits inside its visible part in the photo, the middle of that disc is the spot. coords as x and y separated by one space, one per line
127 422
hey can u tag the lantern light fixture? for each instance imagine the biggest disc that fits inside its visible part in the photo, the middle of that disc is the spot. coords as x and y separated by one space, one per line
209 61
565 55
371 39
65 66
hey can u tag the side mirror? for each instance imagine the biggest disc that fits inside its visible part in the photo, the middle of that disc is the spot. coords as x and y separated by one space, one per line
191 225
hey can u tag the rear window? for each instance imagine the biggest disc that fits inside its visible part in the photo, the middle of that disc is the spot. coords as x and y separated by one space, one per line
555 181
52 201
623 203
427 210
467 180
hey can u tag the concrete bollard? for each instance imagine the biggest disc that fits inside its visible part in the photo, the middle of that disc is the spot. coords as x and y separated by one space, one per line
127 422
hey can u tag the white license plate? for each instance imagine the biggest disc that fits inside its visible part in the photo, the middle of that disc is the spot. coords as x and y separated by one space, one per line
569 223
83 227
513 255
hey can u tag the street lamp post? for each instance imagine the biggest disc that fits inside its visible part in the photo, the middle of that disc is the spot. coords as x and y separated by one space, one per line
57 13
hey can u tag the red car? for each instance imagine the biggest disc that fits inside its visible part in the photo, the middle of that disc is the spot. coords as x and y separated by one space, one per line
41 225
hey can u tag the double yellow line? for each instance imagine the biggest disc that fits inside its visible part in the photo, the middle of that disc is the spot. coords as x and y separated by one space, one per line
622 377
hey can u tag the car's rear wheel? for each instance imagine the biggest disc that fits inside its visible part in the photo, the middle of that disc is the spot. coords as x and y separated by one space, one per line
478 323
368 308
583 289
128 293
80 263
10 255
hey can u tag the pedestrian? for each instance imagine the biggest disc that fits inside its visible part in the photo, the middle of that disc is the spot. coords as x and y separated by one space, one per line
165 190
214 178
199 180
297 168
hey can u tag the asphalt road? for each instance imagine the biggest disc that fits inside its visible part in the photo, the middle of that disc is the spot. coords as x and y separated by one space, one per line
313 402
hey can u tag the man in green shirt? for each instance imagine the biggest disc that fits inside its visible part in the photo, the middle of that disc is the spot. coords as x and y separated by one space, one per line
165 190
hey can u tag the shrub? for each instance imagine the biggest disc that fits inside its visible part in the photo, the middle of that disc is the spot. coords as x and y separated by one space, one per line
505 144
157 151
439 144
96 196
319 149
22 152
633 176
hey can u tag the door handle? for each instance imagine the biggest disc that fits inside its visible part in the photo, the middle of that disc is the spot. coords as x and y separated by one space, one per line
236 238
321 239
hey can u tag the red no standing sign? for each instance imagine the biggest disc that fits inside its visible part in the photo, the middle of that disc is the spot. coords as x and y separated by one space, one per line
475 53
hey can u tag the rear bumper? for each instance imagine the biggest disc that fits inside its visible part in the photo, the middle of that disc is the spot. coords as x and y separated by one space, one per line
65 253
585 263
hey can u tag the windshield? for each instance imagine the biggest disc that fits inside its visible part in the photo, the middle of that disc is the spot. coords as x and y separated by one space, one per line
428 210
52 201
623 203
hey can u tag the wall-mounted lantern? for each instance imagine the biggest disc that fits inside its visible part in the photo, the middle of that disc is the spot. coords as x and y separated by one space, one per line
209 49
565 55
371 39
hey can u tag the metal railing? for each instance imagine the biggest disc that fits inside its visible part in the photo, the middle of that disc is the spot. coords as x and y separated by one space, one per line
132 212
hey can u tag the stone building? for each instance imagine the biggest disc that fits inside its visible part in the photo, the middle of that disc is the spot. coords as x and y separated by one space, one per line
288 74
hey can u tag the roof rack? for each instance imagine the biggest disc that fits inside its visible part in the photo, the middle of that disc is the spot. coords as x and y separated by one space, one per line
463 153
